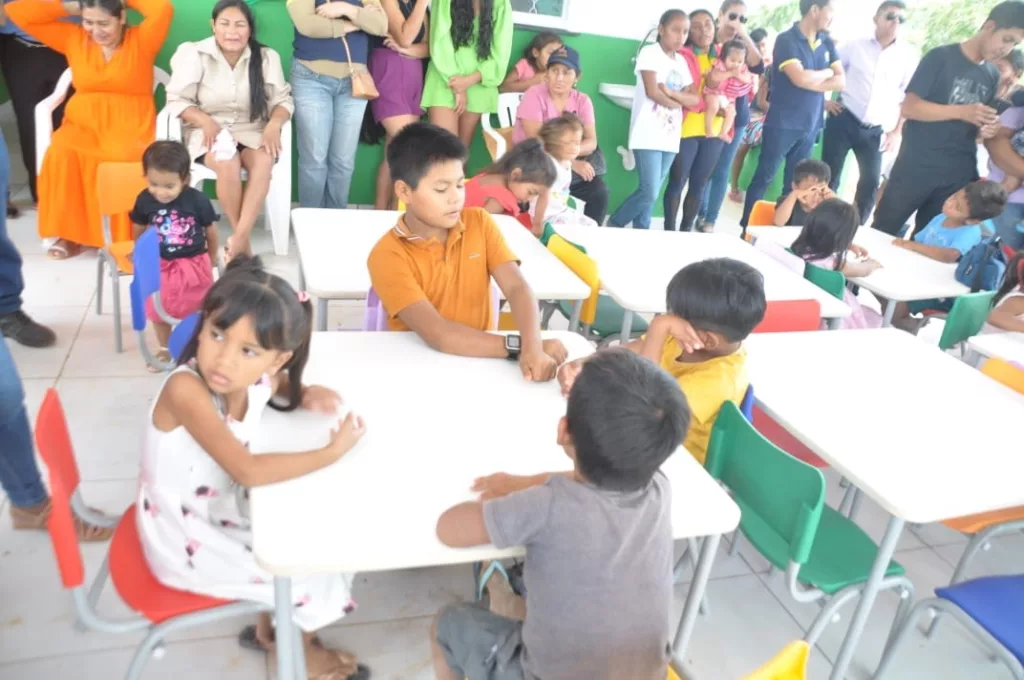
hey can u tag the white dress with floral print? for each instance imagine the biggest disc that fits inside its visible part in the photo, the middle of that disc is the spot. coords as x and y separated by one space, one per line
194 526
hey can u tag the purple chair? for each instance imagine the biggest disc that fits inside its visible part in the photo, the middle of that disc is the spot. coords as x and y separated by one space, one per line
375 318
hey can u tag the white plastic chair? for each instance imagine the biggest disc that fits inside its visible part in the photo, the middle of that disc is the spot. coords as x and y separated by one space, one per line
508 105
44 110
279 198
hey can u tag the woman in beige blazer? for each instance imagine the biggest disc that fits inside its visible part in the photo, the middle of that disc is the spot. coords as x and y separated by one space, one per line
231 83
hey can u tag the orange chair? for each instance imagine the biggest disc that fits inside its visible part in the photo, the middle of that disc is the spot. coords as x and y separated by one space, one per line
117 187
762 215
787 316
985 526
163 610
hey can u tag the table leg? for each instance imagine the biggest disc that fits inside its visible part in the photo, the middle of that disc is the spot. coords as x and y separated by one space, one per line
302 276
695 596
627 326
321 314
834 323
284 632
890 309
867 598
574 321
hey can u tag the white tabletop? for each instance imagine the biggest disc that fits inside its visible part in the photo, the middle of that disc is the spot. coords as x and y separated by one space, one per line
1005 346
905 275
434 423
925 435
335 244
636 265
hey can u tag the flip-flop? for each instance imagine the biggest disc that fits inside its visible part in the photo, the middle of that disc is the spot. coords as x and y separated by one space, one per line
63 250
248 640
482 579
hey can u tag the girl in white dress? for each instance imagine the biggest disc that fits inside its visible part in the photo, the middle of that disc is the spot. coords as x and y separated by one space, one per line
248 352
561 137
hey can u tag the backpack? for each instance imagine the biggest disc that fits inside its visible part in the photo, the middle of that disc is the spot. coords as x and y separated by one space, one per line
983 266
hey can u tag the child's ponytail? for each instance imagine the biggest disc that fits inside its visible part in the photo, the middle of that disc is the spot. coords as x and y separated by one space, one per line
300 356
530 159
1013 279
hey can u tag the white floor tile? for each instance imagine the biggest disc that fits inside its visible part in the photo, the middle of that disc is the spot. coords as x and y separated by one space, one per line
94 355
48 362
60 283
412 593
1004 556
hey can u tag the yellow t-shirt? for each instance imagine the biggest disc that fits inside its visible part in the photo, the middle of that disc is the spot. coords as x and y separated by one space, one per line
707 385
693 122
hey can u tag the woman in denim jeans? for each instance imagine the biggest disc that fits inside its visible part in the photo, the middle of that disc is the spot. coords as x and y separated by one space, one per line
327 117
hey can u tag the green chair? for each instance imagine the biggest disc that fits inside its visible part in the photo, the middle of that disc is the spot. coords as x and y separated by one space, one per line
831 281
826 557
966 318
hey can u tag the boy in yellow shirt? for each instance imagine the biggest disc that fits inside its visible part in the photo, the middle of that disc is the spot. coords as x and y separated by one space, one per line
712 307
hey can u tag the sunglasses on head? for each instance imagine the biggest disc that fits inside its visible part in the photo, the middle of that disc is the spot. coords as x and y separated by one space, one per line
893 16
733 16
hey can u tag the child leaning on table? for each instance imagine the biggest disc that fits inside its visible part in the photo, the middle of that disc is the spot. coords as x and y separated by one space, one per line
598 541
949 236
248 352
713 306
433 270
808 190
524 173
186 223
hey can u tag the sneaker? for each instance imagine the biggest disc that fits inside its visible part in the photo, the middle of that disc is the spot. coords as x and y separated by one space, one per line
20 327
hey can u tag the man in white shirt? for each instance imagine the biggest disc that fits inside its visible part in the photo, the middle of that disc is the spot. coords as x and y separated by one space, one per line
865 118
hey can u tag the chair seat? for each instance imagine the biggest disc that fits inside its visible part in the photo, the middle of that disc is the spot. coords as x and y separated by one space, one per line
842 554
996 604
972 524
122 253
135 583
608 319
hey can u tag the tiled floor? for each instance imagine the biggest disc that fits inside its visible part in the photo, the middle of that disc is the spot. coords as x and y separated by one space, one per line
106 396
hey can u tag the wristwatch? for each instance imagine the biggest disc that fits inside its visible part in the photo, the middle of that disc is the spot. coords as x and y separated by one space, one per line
514 346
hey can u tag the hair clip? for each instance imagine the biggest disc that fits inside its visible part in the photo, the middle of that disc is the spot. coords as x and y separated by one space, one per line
303 296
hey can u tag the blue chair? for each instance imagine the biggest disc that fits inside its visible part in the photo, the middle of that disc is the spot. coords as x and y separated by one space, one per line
990 608
146 284
181 335
747 405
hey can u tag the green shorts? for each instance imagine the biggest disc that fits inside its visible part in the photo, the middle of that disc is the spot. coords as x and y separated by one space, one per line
481 645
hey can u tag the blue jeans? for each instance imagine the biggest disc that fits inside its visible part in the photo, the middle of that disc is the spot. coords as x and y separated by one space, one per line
1008 225
11 281
652 168
19 475
777 144
327 121
718 183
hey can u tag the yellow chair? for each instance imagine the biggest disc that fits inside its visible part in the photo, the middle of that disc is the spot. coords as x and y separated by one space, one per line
789 664
117 187
601 316
1004 372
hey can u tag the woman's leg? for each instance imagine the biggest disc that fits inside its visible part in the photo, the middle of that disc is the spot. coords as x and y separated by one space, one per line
444 117
258 165
385 199
595 193
638 205
19 474
314 119
229 185
678 176
737 168
718 184
468 123
708 151
341 156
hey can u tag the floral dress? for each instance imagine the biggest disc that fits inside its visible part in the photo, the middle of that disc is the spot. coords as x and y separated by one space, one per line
194 524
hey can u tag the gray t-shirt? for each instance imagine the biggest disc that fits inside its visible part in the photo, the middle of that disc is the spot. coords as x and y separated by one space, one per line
598 577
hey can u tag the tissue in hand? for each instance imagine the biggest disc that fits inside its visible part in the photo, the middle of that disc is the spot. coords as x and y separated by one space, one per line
224 147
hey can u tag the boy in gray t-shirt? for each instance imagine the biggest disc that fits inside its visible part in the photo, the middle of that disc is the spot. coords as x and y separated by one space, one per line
598 541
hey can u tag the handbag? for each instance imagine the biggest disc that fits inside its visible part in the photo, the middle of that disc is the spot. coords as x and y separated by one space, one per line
363 86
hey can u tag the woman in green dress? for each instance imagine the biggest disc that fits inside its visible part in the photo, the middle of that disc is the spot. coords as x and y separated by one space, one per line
470 45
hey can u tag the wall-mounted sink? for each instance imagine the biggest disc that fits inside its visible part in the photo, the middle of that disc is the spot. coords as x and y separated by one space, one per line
620 94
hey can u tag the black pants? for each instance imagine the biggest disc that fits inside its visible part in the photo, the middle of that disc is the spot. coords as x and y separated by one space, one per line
913 187
844 133
31 72
693 166
594 192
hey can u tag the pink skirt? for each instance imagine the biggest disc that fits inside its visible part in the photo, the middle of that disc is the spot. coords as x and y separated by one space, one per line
183 285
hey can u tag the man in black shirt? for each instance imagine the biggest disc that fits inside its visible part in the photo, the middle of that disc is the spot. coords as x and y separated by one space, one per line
949 103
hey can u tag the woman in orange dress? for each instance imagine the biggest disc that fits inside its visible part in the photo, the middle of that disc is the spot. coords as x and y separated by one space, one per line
110 117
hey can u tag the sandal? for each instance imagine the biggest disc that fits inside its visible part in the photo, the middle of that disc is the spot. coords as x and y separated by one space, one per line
23 520
163 356
62 249
249 640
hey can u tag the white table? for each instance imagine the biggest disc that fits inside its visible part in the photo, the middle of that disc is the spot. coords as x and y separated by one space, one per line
1005 346
434 423
335 244
922 452
905 276
636 266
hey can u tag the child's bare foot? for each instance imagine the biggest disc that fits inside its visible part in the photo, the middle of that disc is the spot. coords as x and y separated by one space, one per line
735 195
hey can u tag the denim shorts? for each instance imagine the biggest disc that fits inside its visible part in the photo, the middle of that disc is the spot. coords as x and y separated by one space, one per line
481 645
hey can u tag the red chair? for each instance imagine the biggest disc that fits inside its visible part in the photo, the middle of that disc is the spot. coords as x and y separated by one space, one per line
788 316
163 610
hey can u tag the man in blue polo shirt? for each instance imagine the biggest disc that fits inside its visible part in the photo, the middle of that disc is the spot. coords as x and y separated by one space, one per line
805 66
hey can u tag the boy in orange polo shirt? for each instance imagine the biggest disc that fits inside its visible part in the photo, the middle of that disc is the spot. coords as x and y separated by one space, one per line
432 272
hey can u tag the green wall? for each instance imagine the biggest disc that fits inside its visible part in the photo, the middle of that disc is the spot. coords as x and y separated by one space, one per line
604 60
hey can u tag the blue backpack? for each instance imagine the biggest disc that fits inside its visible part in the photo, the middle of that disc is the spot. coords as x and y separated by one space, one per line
983 266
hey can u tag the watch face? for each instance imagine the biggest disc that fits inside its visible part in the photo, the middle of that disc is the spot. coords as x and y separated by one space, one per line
513 342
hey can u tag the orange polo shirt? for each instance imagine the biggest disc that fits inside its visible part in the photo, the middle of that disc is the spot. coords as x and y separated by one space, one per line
455 277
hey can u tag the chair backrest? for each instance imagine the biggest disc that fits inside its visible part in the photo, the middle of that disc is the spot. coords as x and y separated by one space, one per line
117 187
1004 372
146 282
584 267
508 107
829 280
780 497
375 318
789 664
182 334
788 316
762 215
966 318
54 444
747 405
